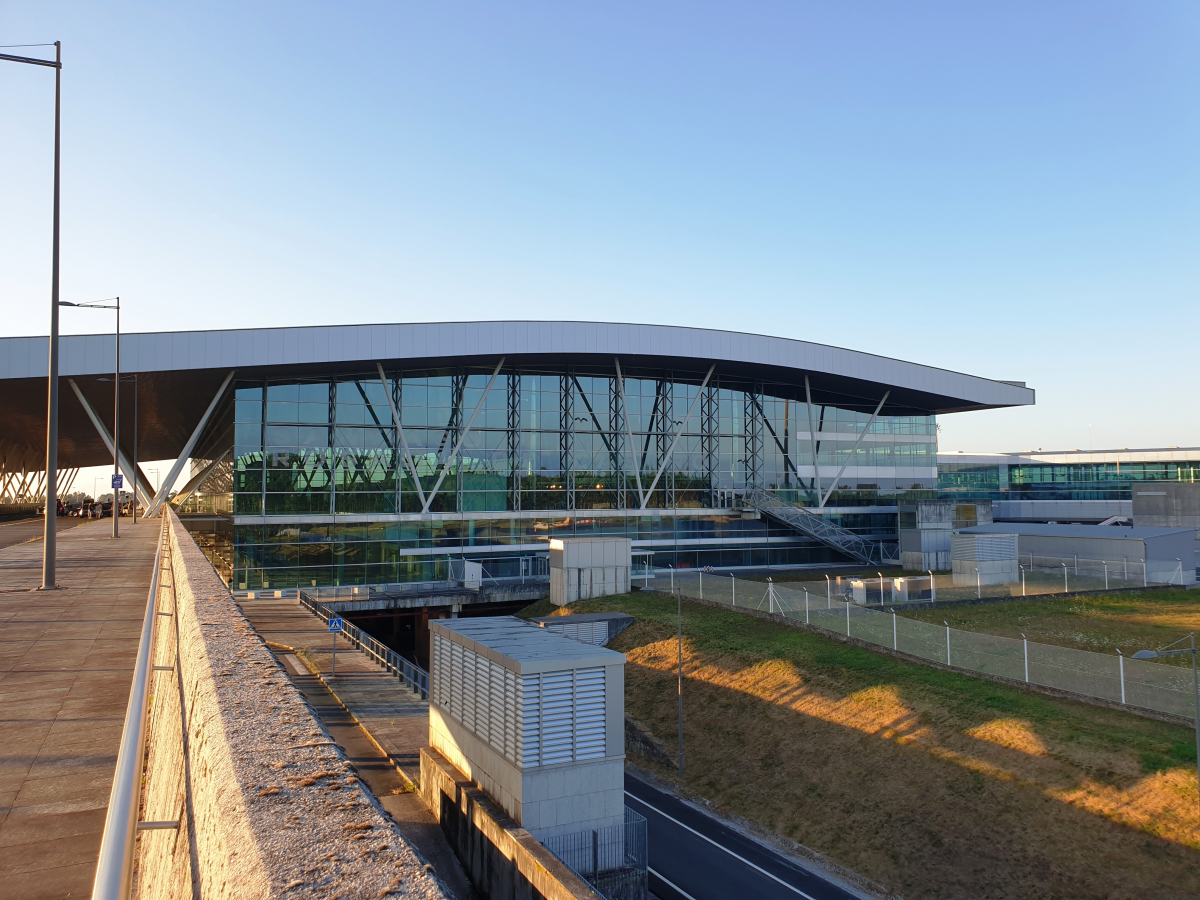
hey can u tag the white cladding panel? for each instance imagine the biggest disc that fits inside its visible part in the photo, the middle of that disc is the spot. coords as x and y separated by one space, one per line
26 357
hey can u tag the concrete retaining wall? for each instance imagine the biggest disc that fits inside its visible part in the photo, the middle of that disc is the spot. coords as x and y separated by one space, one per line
502 859
267 804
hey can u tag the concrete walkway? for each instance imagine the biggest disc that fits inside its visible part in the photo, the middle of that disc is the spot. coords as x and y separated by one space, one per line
380 724
66 662
396 717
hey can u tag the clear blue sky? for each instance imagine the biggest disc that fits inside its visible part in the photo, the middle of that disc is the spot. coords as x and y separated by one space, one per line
1008 189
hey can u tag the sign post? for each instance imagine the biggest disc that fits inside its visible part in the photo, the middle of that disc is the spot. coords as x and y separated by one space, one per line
335 625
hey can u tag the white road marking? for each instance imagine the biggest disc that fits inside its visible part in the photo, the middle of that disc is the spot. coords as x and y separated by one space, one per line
672 885
775 878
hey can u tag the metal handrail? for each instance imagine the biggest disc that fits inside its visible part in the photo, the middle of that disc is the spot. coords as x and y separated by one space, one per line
817 526
408 672
114 870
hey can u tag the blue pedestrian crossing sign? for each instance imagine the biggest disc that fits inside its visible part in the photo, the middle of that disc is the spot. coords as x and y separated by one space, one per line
335 624
118 481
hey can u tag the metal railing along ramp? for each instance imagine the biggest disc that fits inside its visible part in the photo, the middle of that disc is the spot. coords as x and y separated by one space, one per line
871 553
409 673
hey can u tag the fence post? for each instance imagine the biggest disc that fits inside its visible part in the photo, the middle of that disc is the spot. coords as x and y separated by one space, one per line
895 643
847 618
1144 573
1076 565
806 606
947 624
595 853
1022 581
770 596
1121 657
932 586
1025 641
1126 560
733 587
672 579
1105 564
701 584
1066 587
978 585
829 590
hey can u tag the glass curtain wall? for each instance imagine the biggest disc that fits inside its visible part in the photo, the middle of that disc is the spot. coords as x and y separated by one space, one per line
556 441
1043 481
495 472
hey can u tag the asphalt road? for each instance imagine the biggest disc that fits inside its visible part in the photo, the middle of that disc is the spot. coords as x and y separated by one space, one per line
18 531
695 857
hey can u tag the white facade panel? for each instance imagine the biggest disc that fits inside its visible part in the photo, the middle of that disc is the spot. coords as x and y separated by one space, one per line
25 357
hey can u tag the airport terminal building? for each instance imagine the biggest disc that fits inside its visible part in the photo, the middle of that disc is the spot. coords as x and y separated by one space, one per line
378 454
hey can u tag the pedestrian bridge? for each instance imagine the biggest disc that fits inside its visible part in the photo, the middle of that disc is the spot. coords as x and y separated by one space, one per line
163 740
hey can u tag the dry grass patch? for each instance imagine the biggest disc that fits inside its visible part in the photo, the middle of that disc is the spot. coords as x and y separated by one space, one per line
931 783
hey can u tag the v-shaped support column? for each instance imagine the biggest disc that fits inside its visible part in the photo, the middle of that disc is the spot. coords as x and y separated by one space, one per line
142 492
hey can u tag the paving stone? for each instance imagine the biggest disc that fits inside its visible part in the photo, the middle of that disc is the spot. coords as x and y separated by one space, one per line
66 664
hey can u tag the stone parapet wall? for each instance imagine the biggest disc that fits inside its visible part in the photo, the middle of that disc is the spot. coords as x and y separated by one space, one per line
268 806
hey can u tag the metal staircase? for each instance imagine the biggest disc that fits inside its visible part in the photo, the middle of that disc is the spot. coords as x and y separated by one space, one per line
871 553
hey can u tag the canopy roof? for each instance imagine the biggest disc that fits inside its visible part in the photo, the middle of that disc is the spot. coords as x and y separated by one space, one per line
179 372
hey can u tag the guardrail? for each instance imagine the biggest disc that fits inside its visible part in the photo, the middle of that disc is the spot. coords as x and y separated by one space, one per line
409 673
114 871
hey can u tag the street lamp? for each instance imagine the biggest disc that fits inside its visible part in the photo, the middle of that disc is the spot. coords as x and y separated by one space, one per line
112 303
50 535
1167 651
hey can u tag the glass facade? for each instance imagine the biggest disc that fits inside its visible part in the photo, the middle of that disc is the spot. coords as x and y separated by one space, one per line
1037 480
543 451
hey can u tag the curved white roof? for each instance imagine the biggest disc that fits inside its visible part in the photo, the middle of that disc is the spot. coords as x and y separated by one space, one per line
861 374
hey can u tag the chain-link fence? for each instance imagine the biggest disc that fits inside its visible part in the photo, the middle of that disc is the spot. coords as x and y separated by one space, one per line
832 606
613 860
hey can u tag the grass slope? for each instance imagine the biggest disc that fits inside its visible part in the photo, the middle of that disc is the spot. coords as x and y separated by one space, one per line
1131 621
934 784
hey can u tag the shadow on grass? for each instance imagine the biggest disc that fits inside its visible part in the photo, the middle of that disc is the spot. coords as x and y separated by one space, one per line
933 783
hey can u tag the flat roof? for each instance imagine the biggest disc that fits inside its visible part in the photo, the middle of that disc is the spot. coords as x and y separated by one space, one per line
523 647
179 372
1111 532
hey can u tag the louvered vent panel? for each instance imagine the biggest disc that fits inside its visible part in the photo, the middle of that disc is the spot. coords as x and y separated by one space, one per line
469 688
558 700
456 681
589 713
529 723
510 715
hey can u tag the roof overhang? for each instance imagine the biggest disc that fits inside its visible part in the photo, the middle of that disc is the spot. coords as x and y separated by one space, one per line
178 372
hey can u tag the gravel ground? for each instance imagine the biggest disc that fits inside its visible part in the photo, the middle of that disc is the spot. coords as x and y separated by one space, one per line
283 788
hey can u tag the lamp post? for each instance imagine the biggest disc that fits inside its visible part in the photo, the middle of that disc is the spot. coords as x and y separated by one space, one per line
1167 651
50 535
679 614
112 303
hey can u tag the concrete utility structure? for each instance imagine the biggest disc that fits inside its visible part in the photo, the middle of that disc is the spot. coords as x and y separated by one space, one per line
926 527
536 719
585 568
1167 552
1167 504
378 454
983 558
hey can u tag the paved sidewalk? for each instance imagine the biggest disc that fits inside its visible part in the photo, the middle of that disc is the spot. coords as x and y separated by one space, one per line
396 717
66 663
